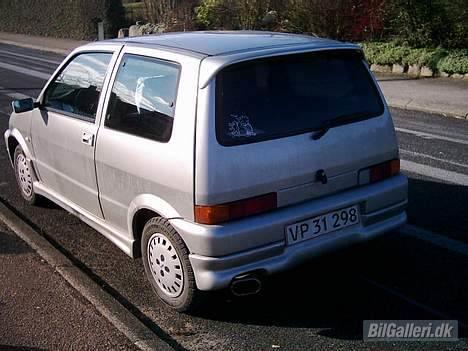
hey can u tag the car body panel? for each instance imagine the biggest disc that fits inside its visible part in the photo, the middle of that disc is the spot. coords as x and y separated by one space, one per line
216 43
62 160
116 236
268 228
20 135
287 165
145 167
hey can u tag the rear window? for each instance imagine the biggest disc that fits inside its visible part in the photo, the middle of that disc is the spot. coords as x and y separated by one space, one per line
276 97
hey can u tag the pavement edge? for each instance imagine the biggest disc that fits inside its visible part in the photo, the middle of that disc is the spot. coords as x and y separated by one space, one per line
121 318
36 47
420 108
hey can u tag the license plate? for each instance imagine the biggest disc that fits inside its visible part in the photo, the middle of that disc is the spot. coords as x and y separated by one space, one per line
326 223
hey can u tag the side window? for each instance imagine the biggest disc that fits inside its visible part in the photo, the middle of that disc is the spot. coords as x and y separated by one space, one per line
76 89
143 98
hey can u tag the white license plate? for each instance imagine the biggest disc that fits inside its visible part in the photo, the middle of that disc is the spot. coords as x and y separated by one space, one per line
326 223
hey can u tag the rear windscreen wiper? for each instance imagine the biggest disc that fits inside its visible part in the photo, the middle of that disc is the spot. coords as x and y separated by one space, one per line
318 133
345 119
335 122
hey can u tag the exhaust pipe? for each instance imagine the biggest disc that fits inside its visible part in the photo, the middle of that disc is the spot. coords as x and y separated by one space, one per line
246 284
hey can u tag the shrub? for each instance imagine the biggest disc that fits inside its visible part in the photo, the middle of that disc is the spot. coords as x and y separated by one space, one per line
114 17
446 60
75 19
231 14
175 14
339 19
423 23
213 14
424 57
385 53
455 62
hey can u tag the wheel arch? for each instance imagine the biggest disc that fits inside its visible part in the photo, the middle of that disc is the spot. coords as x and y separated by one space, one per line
12 144
141 210
13 138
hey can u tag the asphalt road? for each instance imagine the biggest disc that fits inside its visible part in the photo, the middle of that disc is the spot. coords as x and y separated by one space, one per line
420 272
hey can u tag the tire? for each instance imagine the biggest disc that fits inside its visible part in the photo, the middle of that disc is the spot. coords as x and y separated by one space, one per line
167 266
24 176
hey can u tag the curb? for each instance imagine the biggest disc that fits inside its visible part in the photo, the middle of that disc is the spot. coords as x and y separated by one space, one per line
427 110
121 318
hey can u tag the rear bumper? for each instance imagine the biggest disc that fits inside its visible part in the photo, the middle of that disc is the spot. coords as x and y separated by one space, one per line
220 253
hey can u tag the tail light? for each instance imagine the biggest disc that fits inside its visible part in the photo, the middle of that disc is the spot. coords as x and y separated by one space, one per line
216 214
379 172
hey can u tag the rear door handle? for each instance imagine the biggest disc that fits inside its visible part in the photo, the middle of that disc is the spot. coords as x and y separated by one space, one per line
87 138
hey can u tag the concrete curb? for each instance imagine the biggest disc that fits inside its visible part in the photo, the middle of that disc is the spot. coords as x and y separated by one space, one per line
421 108
36 47
122 319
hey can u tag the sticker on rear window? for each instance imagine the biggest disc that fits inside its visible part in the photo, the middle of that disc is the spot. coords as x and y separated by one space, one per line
240 127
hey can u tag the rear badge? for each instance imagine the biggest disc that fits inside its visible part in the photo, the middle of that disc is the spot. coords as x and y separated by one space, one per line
321 176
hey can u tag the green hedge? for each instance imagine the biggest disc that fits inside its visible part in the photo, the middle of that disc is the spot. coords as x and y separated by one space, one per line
438 59
456 61
76 19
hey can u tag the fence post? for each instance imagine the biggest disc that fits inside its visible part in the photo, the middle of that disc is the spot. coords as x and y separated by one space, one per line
100 30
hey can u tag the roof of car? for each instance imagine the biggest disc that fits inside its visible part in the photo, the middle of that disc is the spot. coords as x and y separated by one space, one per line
213 43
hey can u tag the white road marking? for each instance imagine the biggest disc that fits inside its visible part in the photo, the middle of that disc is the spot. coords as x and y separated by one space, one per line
436 239
410 300
32 58
26 71
431 136
3 183
417 154
433 172
13 94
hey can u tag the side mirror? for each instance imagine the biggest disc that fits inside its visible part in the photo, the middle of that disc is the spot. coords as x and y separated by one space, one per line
24 105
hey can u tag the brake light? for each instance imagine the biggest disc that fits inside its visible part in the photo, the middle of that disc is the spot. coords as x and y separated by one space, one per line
216 214
384 170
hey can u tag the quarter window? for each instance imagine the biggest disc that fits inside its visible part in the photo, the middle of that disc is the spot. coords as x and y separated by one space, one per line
77 88
143 98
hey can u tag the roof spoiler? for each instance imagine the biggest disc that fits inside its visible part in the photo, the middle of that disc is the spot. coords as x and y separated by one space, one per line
211 65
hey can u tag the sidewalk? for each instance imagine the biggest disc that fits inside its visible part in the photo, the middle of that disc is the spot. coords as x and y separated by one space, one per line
39 310
445 96
57 45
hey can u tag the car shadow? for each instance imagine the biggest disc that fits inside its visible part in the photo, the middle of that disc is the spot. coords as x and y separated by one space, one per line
327 293
439 207
331 293
10 244
48 204
19 348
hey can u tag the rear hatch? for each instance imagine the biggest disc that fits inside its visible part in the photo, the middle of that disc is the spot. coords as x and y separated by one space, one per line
276 122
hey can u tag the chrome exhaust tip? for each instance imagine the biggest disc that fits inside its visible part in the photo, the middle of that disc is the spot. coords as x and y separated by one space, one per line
246 284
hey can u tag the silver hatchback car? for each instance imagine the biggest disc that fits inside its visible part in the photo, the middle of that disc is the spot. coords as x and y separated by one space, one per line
219 157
